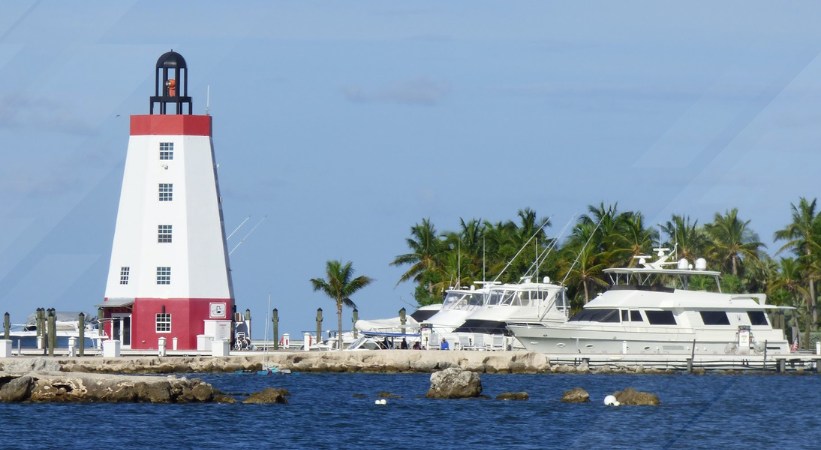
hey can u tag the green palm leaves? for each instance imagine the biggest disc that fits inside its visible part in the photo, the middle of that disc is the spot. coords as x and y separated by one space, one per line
340 284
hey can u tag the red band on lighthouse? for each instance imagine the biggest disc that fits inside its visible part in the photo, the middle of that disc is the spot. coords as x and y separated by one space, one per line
170 125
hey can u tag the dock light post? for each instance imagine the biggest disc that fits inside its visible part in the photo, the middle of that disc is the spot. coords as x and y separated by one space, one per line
275 327
52 331
403 319
6 326
354 319
40 321
318 325
81 322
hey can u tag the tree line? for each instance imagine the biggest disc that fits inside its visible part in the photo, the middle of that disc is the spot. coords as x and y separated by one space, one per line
604 237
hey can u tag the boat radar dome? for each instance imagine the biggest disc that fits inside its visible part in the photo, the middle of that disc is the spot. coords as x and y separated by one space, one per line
683 264
701 264
546 280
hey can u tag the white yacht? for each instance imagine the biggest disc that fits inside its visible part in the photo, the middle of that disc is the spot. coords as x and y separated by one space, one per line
651 310
523 301
475 319
458 304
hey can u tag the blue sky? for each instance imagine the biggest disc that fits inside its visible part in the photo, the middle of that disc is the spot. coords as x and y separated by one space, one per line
345 123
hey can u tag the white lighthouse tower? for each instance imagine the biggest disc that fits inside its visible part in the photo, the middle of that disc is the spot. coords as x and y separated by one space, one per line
169 274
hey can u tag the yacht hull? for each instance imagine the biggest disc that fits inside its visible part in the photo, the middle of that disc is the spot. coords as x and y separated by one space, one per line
604 340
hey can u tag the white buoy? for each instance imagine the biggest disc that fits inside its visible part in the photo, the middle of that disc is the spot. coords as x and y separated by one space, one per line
381 401
611 401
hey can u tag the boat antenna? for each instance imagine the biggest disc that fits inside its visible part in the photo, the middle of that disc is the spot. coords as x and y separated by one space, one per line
238 227
483 258
248 234
538 230
207 99
459 263
582 250
543 256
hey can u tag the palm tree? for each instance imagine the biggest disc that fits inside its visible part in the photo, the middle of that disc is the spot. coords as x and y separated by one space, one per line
425 258
632 239
340 285
687 236
731 241
581 266
787 289
803 235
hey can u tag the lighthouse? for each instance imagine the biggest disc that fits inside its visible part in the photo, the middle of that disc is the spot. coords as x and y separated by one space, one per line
169 275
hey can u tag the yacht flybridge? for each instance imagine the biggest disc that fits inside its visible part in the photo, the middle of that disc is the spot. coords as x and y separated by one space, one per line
654 309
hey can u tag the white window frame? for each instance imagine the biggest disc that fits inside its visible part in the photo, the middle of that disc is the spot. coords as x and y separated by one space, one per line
166 151
166 192
163 275
165 234
162 323
125 271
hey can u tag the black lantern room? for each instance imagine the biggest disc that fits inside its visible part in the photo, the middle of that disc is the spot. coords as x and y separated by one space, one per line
171 84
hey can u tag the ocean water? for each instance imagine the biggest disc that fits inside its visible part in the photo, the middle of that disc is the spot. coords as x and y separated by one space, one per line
338 411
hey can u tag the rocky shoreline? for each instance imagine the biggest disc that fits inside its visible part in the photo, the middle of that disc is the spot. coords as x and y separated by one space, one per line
88 387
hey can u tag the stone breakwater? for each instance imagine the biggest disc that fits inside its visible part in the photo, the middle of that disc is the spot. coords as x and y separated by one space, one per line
384 361
365 361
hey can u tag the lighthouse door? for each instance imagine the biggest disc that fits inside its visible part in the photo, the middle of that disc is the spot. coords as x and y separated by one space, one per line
122 328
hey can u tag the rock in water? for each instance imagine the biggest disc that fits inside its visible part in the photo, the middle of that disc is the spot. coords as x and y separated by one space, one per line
576 395
454 383
268 395
512 396
16 390
631 396
79 387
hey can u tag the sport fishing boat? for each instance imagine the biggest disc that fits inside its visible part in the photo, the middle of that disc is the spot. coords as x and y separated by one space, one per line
459 303
651 309
527 300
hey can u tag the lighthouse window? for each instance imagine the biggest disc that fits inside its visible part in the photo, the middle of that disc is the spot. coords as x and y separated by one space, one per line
166 192
124 271
163 233
166 150
163 323
163 275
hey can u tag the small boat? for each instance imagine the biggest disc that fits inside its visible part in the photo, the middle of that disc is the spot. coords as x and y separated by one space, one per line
655 309
385 340
25 336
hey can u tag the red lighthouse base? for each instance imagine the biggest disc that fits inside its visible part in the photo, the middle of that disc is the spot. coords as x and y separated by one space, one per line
183 319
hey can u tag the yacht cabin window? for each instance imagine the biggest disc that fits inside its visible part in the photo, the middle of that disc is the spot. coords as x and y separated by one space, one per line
597 315
714 318
660 317
631 316
757 318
